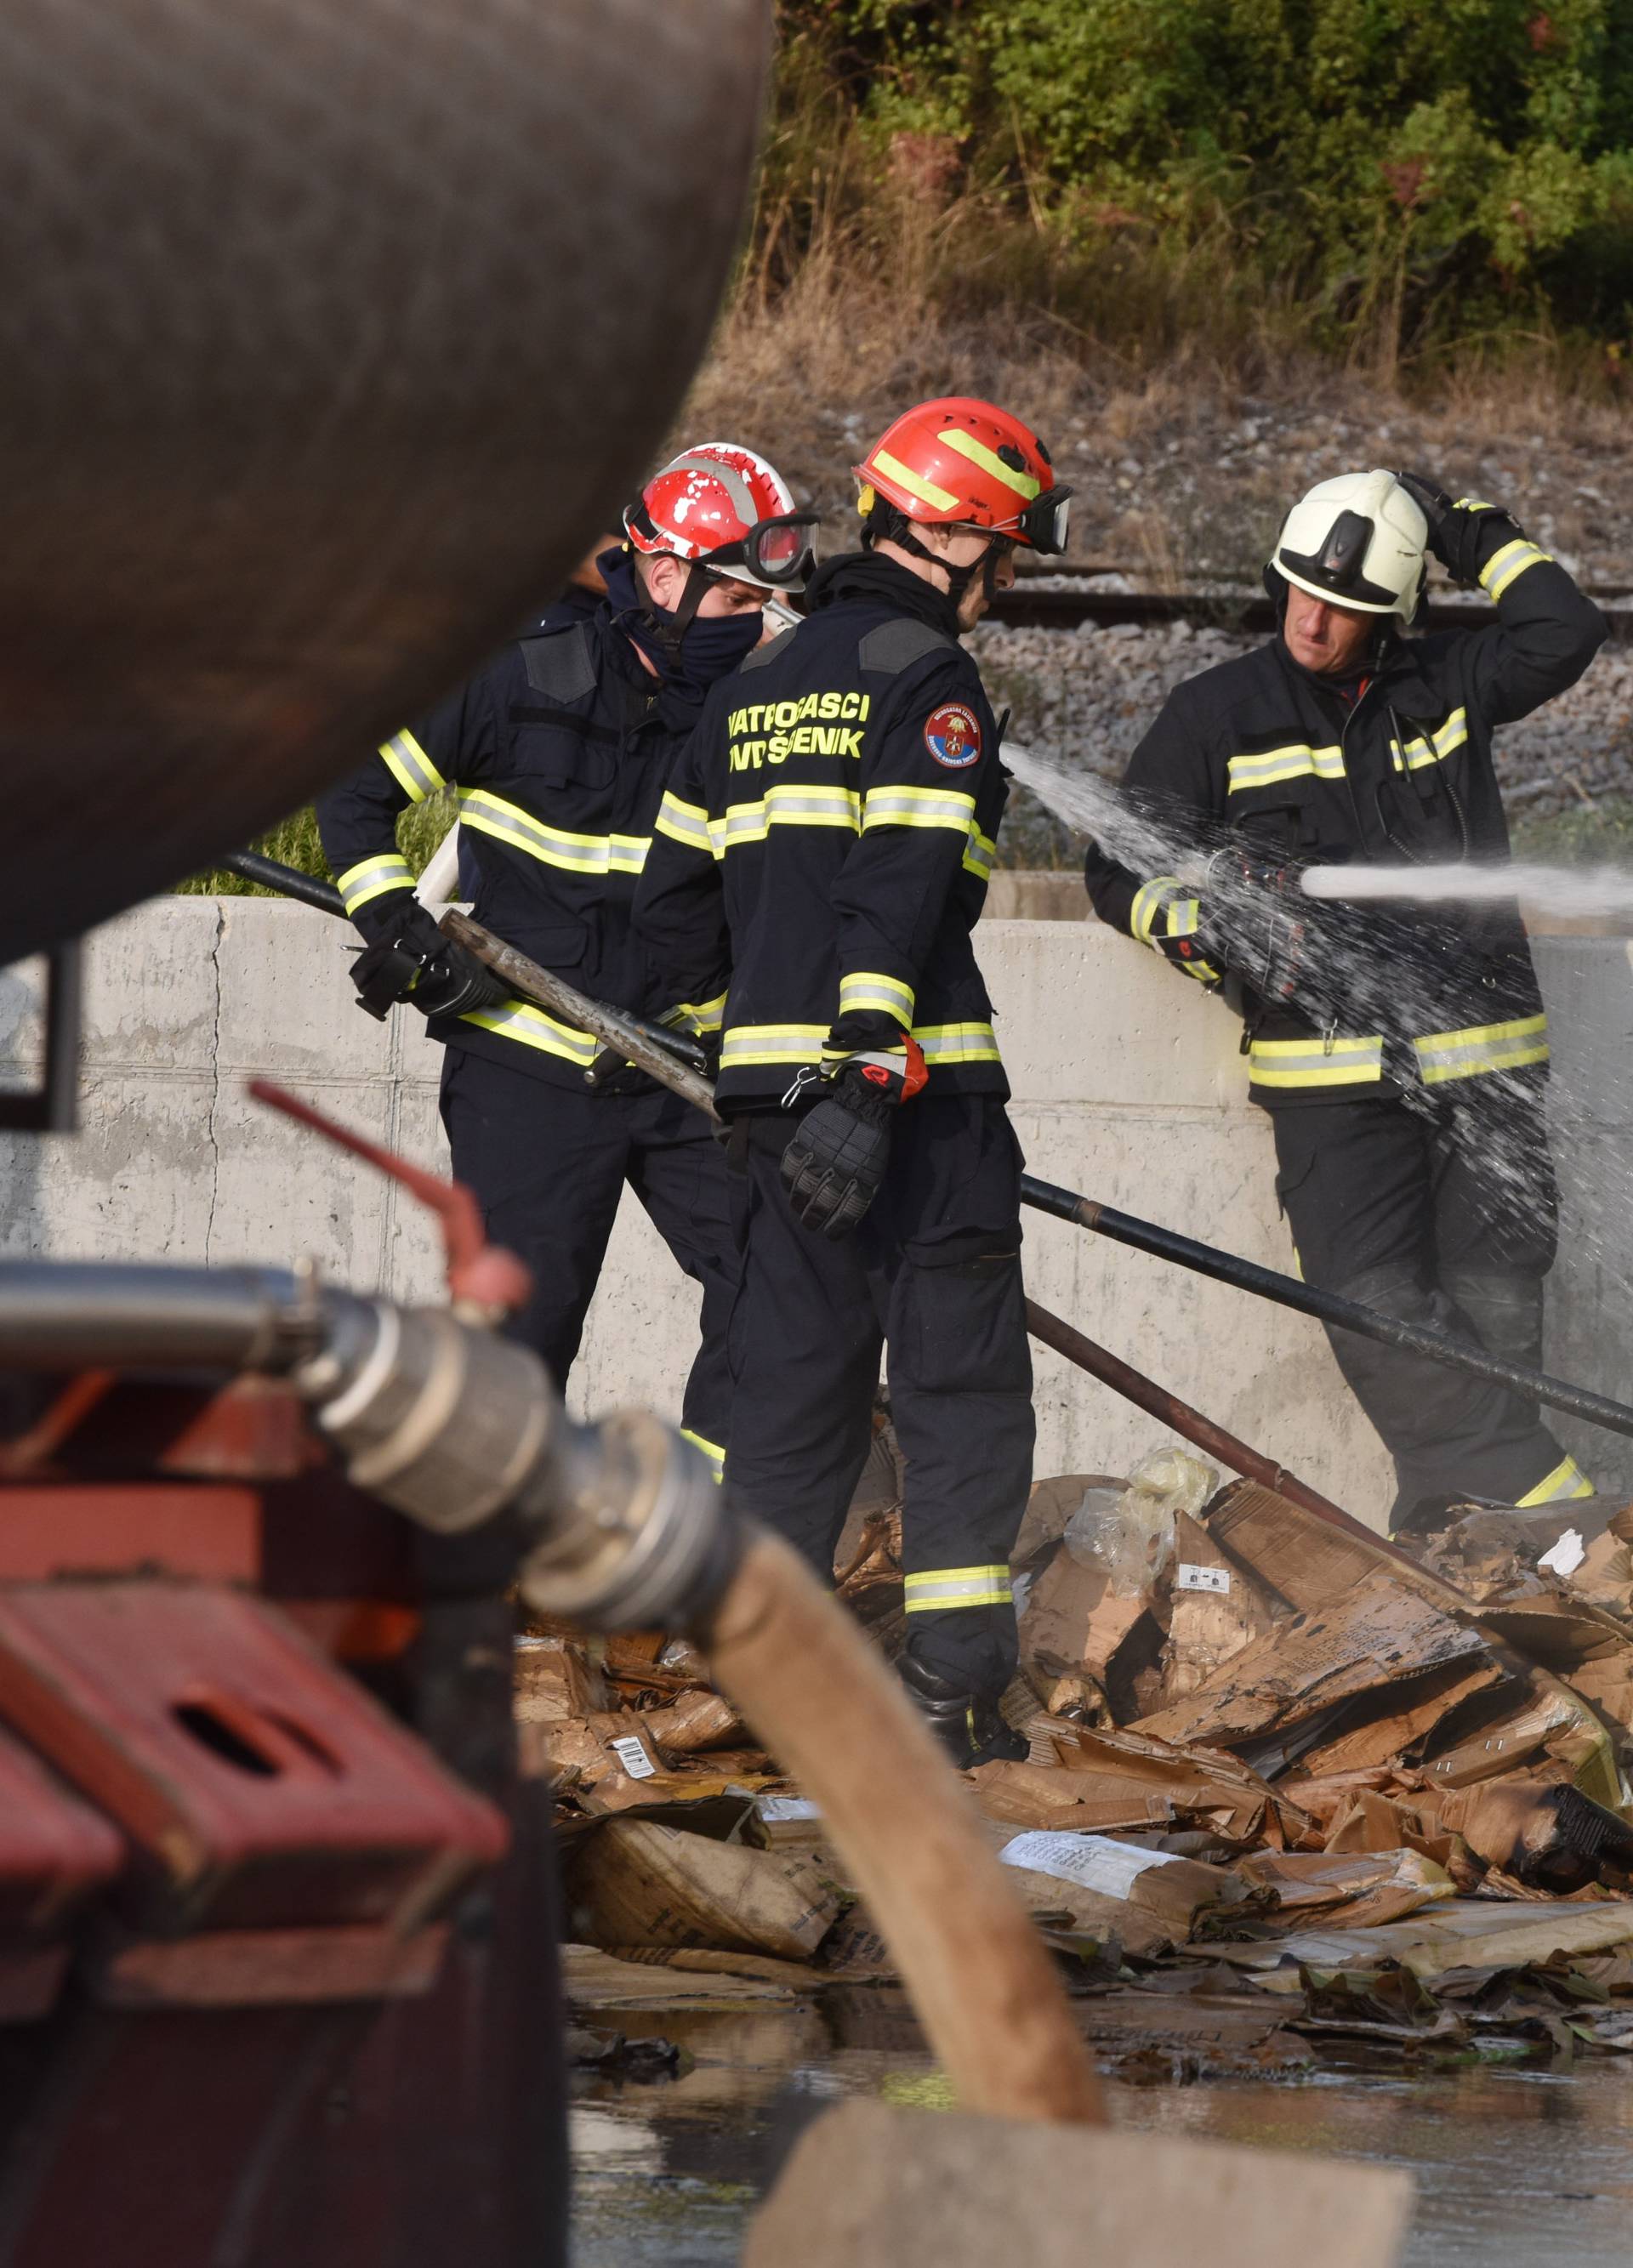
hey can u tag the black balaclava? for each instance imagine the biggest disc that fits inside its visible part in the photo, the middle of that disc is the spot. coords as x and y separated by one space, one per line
689 652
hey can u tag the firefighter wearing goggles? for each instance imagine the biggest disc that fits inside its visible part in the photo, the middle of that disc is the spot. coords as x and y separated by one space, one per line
559 752
821 858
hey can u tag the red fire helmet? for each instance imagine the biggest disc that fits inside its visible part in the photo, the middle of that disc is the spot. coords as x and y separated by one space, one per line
725 507
968 464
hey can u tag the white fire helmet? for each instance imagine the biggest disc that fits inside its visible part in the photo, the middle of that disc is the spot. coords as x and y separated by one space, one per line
1358 541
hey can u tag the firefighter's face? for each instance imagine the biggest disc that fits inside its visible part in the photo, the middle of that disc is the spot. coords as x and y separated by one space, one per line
1321 637
666 580
961 547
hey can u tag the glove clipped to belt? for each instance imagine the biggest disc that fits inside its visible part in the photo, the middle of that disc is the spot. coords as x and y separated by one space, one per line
1458 528
836 1157
414 961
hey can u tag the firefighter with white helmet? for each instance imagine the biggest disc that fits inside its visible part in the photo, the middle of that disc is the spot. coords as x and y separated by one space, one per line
560 750
1402 1057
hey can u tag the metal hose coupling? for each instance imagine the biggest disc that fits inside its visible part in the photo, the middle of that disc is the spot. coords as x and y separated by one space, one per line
622 1524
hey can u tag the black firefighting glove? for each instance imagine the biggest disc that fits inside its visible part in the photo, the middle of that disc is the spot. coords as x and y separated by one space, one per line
836 1157
414 961
1458 528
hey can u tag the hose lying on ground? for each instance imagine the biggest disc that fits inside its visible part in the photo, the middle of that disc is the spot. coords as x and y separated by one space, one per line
820 1698
620 1525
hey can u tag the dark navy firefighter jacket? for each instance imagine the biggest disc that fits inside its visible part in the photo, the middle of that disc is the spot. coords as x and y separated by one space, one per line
822 852
1277 757
559 753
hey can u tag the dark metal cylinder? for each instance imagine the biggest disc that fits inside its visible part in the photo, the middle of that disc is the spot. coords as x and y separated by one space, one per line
331 335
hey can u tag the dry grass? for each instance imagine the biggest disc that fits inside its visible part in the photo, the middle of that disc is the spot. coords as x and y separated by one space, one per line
810 369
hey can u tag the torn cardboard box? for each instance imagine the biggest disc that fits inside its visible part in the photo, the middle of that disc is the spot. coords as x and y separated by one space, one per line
1350 1890
1126 1780
1181 1894
634 1883
1372 1635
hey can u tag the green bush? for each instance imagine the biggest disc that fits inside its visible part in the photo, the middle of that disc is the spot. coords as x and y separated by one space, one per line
294 842
1421 170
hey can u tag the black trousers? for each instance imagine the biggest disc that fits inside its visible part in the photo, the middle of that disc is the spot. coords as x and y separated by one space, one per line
1447 1218
933 1274
549 1166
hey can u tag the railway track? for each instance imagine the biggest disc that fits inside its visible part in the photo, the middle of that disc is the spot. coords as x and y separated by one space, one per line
1063 601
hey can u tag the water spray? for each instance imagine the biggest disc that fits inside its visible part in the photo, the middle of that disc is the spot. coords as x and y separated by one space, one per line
1581 893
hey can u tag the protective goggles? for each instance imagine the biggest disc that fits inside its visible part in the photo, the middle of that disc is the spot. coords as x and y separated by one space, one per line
776 552
1045 520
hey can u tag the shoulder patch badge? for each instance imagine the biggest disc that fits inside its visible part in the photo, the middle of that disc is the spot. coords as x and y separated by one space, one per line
952 734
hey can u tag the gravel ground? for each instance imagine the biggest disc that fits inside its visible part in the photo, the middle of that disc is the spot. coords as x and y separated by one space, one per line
1085 696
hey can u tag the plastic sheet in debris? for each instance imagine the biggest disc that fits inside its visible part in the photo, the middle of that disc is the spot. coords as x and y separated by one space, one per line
1464 1933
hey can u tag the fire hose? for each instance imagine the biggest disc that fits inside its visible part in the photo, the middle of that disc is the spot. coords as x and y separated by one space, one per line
654 1050
1325 1306
1121 1228
620 1526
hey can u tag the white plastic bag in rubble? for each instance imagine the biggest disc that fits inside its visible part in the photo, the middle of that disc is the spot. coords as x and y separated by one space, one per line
1134 1539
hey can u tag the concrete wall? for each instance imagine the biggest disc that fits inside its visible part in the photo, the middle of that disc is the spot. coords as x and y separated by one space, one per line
1129 1086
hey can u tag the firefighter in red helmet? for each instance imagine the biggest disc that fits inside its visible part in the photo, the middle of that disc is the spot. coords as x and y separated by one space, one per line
821 858
560 750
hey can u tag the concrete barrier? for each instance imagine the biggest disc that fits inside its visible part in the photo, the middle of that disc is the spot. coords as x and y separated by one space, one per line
1129 1086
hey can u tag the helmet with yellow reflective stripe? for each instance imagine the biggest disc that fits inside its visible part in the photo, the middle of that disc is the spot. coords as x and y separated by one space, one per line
961 463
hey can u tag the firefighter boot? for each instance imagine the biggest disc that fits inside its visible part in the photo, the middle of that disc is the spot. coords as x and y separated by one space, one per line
969 1726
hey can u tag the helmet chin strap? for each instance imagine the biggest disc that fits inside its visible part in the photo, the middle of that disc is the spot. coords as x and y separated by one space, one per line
885 524
670 633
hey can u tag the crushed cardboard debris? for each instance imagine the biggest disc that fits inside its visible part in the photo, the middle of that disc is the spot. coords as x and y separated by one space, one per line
635 1883
1261 1750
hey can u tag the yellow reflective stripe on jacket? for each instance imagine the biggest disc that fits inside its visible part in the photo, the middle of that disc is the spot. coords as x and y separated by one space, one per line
772 1043
958 1586
919 806
411 768
956 1043
685 823
712 1450
785 807
703 1015
915 483
943 1044
1482 1048
1507 565
1185 919
865 988
1149 902
554 846
521 1021
1315 1063
979 853
1296 762
1434 750
1566 1481
372 878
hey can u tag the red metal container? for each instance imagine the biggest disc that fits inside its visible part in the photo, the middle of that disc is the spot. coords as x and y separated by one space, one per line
259 1786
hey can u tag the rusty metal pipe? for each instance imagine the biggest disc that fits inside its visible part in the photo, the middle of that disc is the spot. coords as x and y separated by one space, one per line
639 1045
1169 1409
